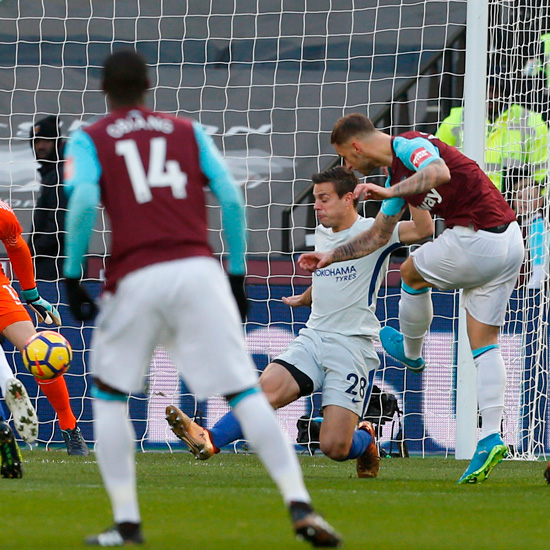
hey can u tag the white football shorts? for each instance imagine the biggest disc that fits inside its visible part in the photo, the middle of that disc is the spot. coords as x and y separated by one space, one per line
186 307
485 265
341 367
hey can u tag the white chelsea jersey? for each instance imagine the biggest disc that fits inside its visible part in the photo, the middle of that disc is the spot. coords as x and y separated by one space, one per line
344 293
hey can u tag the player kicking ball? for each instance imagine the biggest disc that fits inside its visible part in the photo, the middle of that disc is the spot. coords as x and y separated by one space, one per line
481 252
334 353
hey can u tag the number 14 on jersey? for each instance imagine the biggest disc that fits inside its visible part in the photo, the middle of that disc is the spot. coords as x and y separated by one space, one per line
162 172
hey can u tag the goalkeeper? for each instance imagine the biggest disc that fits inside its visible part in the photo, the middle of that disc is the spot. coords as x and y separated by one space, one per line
17 327
335 353
481 251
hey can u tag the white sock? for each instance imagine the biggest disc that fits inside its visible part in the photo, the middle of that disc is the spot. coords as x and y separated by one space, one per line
5 371
491 384
115 451
415 317
260 426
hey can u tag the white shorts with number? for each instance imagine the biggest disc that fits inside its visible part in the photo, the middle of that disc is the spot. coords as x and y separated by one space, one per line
341 367
186 307
486 265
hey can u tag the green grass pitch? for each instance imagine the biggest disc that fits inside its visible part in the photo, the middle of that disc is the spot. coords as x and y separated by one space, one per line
229 502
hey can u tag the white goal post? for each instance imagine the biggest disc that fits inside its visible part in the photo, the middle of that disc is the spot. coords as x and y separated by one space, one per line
268 80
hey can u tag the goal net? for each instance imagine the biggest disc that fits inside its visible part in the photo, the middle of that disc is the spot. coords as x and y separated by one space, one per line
268 80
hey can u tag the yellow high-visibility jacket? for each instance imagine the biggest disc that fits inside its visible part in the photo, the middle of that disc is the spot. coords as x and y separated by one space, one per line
517 138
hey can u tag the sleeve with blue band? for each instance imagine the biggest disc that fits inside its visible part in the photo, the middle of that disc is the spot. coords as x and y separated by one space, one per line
404 149
84 196
392 207
229 196
537 240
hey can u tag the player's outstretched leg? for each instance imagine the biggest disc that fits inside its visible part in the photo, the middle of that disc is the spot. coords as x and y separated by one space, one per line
24 415
547 473
392 342
194 436
368 464
311 527
489 452
10 453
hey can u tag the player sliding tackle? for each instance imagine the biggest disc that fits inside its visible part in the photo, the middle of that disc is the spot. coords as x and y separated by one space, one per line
481 252
335 353
163 287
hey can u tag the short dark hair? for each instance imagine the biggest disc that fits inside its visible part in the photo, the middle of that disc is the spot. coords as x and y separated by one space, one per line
125 77
343 180
351 126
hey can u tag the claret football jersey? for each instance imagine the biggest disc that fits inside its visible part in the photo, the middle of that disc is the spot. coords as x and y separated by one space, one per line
469 198
152 188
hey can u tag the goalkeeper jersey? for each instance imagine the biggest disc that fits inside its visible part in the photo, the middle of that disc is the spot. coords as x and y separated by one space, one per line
344 293
16 247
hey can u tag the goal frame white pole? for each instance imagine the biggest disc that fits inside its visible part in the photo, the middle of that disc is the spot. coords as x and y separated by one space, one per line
475 86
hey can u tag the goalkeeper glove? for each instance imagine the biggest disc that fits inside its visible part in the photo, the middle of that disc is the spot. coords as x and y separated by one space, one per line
237 287
81 304
44 310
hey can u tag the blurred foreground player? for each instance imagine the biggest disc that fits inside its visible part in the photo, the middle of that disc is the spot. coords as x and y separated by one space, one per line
481 251
17 327
335 352
163 287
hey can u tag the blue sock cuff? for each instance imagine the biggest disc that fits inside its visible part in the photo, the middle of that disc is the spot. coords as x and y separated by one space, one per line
480 351
410 290
240 396
101 394
226 430
361 440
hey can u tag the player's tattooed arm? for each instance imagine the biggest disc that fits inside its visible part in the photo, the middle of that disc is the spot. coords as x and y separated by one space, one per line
365 243
368 241
433 175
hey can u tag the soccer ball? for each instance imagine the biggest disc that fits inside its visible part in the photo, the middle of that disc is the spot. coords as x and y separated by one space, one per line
47 355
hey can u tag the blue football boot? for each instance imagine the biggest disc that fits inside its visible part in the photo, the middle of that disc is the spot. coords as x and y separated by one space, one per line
392 342
489 452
